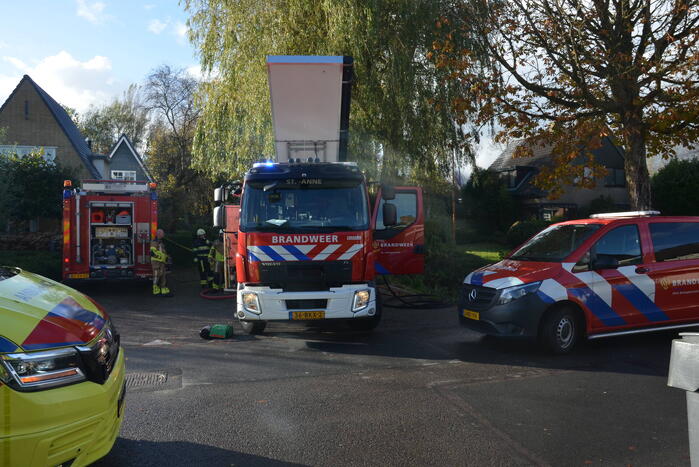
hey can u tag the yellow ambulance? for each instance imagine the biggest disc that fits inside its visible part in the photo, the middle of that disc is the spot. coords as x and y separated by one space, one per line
61 374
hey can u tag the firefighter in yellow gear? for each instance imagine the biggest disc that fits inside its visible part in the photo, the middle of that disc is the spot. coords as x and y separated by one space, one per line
158 260
216 258
201 259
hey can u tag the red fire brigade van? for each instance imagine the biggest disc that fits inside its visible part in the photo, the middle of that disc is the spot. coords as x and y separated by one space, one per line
612 274
107 227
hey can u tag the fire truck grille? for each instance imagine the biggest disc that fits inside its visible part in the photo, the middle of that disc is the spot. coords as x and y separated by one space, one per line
303 276
477 297
306 304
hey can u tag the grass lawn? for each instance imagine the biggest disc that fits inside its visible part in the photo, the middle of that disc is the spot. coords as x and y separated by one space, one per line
445 269
45 263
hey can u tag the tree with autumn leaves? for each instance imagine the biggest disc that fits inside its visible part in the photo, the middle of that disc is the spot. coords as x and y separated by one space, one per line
565 73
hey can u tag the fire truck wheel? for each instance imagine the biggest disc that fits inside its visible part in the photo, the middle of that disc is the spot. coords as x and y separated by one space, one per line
560 330
253 327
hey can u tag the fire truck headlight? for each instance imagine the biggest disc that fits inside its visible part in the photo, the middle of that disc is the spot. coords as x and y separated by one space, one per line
250 302
41 370
361 300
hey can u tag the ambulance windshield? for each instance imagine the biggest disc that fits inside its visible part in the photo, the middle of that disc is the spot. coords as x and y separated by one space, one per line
555 243
304 205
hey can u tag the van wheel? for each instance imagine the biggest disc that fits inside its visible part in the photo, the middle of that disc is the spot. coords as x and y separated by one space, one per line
253 327
560 330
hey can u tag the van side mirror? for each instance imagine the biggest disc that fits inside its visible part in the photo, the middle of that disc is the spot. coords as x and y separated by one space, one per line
389 215
219 217
388 192
604 262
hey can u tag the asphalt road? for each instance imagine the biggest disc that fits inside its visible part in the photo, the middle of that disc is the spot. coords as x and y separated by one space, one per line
419 390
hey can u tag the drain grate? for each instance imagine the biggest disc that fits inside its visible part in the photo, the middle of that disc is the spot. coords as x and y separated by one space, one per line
145 380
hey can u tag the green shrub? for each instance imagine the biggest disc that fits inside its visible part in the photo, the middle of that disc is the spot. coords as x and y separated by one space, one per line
488 201
521 231
676 188
45 263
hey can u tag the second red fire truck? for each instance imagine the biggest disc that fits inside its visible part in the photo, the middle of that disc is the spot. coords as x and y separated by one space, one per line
107 227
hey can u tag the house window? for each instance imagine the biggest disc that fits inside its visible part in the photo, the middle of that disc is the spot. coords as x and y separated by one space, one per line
615 178
124 175
47 152
510 177
26 110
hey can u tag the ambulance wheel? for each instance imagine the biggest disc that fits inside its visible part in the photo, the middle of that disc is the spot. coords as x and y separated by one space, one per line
253 327
560 330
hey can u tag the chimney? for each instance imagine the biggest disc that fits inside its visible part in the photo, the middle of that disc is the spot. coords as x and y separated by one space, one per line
89 143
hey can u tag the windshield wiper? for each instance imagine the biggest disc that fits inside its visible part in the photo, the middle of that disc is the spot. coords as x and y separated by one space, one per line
326 227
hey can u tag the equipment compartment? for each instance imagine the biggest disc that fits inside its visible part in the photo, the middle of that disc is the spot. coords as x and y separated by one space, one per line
111 235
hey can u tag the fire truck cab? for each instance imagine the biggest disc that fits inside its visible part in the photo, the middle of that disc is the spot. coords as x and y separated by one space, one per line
107 227
301 239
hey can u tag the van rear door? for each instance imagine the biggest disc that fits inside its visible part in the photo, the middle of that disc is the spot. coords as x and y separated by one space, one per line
401 247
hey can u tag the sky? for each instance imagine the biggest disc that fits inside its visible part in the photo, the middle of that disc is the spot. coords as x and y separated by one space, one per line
87 52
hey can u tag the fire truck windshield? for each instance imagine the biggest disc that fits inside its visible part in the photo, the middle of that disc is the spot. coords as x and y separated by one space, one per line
304 205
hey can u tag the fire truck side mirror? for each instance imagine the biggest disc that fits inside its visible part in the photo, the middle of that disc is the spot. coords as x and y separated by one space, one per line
220 194
389 214
219 216
388 192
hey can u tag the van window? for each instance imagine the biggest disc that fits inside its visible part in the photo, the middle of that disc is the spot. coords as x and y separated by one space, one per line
622 244
674 241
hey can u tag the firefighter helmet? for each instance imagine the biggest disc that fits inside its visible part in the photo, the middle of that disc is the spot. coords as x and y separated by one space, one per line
201 232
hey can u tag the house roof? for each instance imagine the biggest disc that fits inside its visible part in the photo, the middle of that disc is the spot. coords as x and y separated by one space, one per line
506 160
541 155
64 121
123 139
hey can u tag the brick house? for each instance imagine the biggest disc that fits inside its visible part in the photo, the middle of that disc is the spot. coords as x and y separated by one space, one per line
32 119
518 173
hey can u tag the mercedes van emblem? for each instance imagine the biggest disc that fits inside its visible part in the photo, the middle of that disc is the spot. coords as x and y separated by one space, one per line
472 296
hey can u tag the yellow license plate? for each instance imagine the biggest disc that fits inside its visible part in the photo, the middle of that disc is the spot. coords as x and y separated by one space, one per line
307 315
472 314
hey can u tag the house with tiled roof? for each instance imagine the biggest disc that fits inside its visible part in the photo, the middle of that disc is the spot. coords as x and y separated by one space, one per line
32 120
518 173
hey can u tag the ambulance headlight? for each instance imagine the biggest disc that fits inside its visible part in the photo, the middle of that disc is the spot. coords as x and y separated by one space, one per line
250 302
361 300
33 371
518 291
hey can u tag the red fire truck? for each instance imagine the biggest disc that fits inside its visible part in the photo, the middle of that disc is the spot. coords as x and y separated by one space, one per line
302 241
107 227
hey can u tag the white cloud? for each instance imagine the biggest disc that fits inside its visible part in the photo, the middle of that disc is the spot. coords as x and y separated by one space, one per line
181 29
3 45
195 72
71 82
156 26
148 6
16 62
93 12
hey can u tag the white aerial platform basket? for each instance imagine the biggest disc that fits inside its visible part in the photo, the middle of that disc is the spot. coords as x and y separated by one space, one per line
310 98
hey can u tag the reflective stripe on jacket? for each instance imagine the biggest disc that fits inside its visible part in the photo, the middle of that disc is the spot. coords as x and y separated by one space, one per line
201 249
